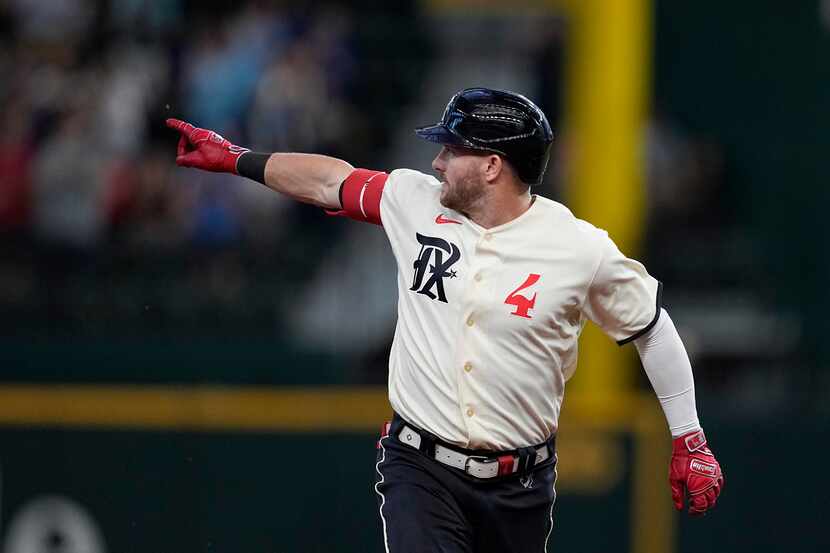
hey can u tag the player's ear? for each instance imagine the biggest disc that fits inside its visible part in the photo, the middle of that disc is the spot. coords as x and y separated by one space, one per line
493 167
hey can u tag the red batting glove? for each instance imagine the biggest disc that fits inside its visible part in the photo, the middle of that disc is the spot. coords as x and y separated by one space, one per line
205 149
695 470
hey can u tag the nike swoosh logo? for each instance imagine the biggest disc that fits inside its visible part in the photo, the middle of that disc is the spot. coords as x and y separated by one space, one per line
441 221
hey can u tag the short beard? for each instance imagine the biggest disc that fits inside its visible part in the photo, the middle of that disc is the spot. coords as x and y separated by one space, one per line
464 194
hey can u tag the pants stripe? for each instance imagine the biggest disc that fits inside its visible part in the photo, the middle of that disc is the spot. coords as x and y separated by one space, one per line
382 497
555 475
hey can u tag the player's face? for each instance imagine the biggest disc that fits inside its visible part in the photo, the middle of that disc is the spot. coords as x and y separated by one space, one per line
460 172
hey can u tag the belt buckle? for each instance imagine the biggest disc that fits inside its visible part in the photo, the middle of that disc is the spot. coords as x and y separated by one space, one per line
482 458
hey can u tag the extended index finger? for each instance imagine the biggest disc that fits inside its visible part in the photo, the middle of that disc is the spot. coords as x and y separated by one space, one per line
181 126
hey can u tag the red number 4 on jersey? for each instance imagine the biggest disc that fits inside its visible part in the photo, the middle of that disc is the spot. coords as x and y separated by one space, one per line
523 304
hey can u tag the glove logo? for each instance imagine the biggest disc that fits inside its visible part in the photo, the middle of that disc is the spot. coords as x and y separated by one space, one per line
434 249
703 468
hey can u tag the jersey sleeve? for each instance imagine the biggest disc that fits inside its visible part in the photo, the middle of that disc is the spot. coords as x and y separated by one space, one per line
623 299
360 196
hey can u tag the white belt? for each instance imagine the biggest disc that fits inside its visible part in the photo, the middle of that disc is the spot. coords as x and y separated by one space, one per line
475 465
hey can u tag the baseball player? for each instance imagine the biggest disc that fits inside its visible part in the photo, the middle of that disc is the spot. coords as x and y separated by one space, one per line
494 287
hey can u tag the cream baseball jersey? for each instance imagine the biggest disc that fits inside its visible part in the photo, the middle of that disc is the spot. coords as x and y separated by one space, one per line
489 319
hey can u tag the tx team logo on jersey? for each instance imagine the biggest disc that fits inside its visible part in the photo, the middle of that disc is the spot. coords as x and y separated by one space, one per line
431 260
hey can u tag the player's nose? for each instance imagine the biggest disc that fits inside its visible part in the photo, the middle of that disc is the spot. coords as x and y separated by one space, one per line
438 164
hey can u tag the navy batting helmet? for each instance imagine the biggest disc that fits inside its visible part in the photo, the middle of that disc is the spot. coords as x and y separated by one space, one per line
496 121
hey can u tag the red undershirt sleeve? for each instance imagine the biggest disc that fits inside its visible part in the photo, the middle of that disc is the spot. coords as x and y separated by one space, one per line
360 195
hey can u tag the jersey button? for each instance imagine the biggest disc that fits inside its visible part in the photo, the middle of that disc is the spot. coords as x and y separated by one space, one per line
470 412
468 366
470 322
488 236
477 278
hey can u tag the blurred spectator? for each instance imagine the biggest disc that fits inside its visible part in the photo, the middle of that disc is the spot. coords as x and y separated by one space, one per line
299 103
131 83
264 212
16 150
290 105
145 207
216 220
68 185
330 36
224 64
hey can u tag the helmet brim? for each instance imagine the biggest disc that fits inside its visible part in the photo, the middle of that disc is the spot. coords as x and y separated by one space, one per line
440 134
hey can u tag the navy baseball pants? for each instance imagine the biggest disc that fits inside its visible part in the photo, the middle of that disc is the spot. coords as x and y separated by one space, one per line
428 507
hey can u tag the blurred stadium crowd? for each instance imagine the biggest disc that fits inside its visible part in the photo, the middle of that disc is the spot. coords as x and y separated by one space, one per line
84 165
89 193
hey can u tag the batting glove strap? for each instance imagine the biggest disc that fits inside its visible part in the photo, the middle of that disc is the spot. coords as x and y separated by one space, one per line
693 442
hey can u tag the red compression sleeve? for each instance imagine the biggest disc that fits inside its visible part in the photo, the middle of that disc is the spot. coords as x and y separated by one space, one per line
360 195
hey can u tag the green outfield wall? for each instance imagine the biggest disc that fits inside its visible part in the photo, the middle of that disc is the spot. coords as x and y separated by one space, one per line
189 492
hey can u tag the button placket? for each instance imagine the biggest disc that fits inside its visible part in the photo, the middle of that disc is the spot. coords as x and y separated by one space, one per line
473 302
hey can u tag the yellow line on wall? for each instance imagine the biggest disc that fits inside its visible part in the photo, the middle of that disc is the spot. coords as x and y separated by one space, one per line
195 407
211 407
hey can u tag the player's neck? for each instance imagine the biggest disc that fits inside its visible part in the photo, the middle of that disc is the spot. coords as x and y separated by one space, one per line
502 207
